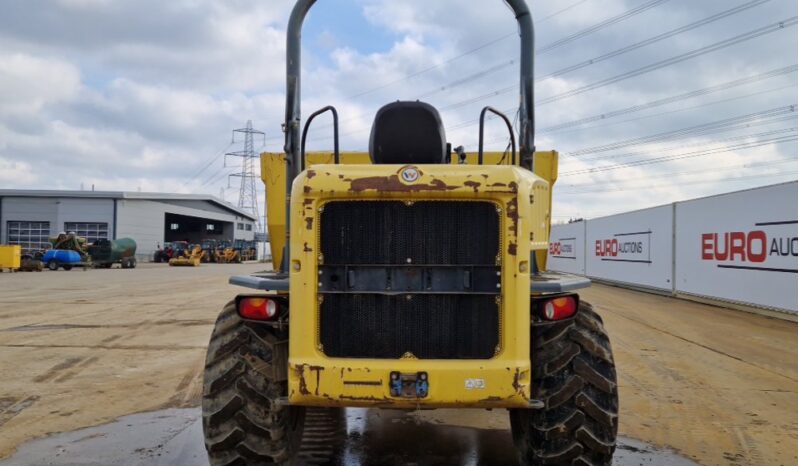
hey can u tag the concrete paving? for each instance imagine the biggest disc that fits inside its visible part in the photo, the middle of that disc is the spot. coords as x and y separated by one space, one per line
81 349
173 437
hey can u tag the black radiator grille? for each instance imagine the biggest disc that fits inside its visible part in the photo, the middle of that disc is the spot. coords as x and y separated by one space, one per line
426 233
428 326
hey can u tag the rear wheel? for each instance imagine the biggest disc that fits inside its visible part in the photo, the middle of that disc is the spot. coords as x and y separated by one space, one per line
573 373
67 267
242 421
52 265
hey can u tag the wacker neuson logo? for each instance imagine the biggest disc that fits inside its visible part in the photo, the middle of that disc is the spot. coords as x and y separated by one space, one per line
625 247
770 247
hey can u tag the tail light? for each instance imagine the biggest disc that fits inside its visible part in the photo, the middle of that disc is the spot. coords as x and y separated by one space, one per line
258 308
557 308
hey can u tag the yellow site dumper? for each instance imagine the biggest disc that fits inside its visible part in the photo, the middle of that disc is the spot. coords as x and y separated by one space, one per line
10 257
412 276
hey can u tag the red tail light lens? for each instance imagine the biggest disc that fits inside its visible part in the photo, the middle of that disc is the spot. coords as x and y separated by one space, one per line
559 308
258 308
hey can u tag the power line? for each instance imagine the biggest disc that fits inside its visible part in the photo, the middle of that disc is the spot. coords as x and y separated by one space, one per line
672 99
655 115
216 177
688 131
635 163
470 78
775 27
686 146
559 12
213 159
655 39
503 65
670 175
681 183
602 25
469 52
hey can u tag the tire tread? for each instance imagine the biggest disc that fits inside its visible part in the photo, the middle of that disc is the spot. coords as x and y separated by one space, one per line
574 375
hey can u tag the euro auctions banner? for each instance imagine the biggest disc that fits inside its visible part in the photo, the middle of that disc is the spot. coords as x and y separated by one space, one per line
634 248
567 248
741 247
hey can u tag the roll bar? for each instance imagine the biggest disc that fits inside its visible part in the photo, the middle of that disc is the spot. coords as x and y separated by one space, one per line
293 128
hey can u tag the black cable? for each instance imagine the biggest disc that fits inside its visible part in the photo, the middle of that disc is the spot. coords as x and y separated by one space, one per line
669 175
210 162
681 183
636 163
655 39
698 144
778 26
640 71
597 27
688 131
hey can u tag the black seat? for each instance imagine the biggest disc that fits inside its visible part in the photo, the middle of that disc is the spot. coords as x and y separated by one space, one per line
407 132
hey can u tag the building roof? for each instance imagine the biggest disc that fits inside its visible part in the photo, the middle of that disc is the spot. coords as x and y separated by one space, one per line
125 195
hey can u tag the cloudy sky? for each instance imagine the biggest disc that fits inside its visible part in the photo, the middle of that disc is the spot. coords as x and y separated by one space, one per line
648 101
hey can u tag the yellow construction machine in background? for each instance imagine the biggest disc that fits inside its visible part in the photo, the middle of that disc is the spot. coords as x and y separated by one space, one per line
191 258
227 256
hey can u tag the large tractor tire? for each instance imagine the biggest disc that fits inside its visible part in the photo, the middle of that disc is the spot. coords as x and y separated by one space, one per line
242 420
573 373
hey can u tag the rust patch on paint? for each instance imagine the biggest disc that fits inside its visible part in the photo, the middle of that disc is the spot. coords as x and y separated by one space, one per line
498 185
473 184
308 189
392 183
512 214
513 186
308 248
311 173
307 202
318 370
303 386
512 249
309 223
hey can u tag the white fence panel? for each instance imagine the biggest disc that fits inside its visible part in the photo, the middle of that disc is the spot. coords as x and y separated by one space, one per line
567 248
741 247
634 248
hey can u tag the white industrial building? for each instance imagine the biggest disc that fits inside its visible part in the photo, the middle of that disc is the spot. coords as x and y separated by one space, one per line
29 217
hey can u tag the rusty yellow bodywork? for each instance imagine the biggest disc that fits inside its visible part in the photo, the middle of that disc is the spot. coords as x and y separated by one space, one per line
524 201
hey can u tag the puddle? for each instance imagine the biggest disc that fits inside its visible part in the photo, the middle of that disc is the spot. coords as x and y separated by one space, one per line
173 437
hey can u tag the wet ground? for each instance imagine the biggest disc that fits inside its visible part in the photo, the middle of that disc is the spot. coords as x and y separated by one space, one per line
173 437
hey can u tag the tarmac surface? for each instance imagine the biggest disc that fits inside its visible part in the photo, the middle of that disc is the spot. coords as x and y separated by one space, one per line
173 437
81 349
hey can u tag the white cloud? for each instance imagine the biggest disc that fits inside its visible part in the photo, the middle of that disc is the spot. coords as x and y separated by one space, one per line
13 172
109 93
28 83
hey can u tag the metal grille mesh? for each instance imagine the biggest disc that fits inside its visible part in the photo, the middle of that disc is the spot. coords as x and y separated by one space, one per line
391 232
430 326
